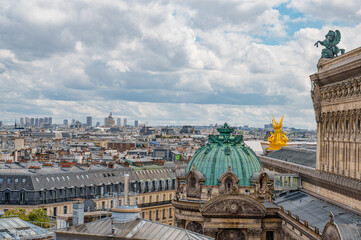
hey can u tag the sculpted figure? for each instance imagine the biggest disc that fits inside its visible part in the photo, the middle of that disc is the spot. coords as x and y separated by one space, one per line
278 138
332 38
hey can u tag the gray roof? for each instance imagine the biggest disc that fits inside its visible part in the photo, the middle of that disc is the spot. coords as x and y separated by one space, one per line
12 227
134 229
57 178
316 211
299 156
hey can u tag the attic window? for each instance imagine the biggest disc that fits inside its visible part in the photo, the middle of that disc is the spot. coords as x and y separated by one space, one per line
68 177
37 179
1 180
58 178
47 179
24 180
16 180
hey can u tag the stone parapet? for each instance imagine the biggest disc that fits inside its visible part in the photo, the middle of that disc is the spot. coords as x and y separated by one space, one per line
337 183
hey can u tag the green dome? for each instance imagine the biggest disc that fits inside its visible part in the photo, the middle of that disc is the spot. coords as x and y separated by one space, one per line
221 152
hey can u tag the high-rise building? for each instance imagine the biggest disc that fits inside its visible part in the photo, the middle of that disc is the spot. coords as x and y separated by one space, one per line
125 122
41 122
73 122
36 122
22 122
89 121
50 121
97 124
66 122
136 123
46 120
1 123
119 122
27 121
32 122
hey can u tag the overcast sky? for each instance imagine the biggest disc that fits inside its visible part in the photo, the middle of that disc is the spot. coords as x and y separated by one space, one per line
167 62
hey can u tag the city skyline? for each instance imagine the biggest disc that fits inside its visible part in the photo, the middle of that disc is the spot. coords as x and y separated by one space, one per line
167 62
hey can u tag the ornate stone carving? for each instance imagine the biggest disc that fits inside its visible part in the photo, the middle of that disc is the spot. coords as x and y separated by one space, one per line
194 181
227 234
227 180
195 227
233 206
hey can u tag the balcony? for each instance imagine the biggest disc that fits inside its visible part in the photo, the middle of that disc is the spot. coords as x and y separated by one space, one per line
151 204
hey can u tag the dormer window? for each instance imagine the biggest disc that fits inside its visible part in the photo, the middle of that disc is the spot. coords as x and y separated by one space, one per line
192 182
228 184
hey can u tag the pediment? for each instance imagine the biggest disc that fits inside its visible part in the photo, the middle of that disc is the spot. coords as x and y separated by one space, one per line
233 206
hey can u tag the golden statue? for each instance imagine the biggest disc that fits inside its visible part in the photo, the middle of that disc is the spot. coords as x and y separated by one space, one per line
277 139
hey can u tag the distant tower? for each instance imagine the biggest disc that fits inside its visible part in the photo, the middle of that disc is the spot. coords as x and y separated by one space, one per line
97 124
66 122
21 122
119 122
136 123
125 122
32 122
27 121
36 122
89 121
50 121
41 122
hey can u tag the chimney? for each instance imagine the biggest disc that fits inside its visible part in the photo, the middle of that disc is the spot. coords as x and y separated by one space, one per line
78 214
126 188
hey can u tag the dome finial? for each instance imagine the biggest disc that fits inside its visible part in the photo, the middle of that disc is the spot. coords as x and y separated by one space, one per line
225 130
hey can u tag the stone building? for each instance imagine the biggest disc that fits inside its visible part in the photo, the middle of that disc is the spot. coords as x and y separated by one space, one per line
336 96
224 194
55 189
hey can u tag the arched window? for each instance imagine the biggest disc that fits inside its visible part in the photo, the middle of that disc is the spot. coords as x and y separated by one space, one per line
228 184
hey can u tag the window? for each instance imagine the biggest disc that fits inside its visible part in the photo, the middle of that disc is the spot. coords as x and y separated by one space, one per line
150 215
157 198
65 209
111 204
170 213
163 213
170 197
77 177
47 179
156 215
142 214
58 178
150 199
63 178
143 200
22 198
55 211
7 197
269 235
1 180
163 197
68 178
82 176
87 176
53 179
9 180
24 180
16 180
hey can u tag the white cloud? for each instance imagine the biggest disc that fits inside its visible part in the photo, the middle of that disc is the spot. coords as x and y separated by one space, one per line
161 61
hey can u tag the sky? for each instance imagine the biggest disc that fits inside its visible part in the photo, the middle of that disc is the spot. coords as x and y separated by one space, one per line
167 62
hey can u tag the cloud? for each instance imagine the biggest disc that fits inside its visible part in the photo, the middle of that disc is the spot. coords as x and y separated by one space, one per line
161 61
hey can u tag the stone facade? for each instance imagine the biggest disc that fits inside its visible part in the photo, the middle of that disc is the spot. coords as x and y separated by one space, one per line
336 95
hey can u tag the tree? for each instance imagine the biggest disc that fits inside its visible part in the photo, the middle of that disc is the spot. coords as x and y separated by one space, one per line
37 216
